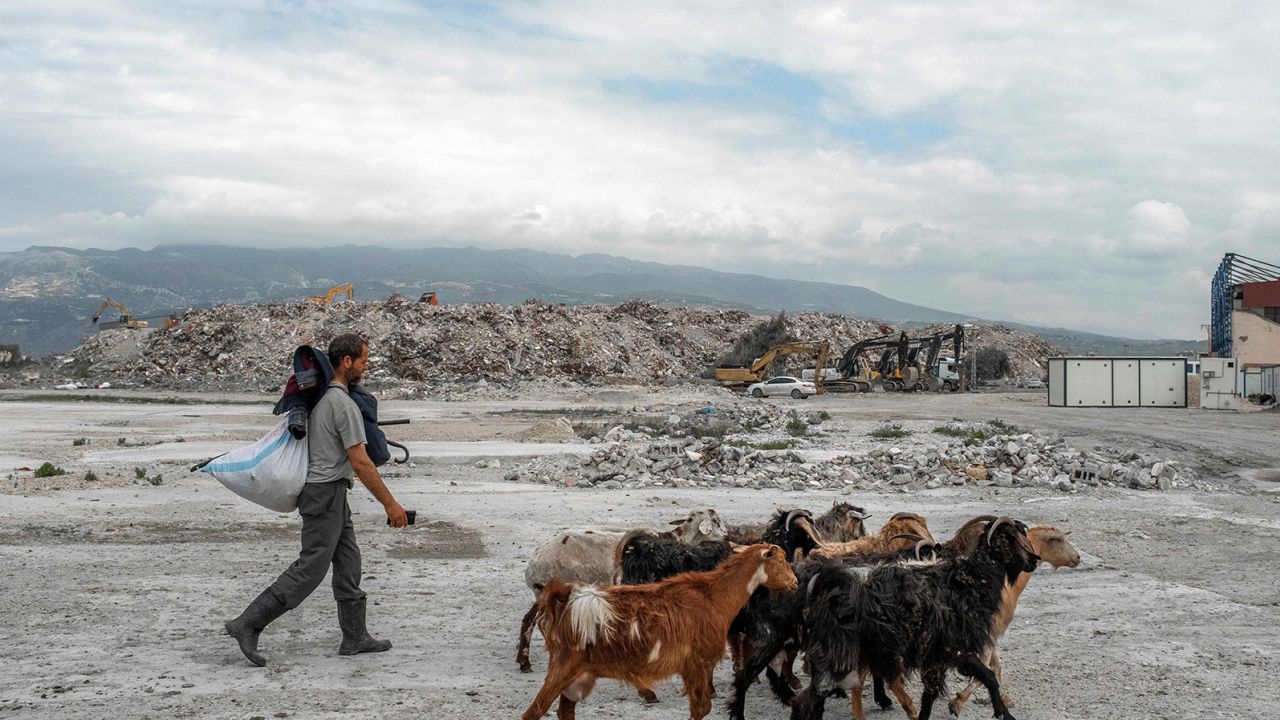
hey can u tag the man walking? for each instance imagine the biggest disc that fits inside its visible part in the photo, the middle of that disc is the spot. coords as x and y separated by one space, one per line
336 448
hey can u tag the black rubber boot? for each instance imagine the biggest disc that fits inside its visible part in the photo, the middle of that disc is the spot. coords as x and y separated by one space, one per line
355 638
245 629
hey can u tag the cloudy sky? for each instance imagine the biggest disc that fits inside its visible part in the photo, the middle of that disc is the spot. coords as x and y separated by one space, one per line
1082 164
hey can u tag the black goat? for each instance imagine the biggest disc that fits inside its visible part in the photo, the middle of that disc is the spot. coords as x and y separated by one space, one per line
643 557
899 619
773 624
842 523
791 530
647 558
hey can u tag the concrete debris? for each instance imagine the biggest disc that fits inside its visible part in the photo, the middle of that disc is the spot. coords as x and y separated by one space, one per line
558 430
247 347
1005 461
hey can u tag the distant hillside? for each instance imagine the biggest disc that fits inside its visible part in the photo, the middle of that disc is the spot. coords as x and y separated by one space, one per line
47 294
1077 342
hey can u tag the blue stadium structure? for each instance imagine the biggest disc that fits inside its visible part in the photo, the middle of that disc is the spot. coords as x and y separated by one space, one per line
1233 271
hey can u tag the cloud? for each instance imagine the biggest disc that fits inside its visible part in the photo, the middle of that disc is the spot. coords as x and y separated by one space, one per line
1157 227
1083 163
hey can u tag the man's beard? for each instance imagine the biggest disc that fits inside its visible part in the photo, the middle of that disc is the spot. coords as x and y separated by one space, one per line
353 378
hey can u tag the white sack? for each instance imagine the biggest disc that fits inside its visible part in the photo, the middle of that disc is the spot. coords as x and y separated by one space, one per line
270 472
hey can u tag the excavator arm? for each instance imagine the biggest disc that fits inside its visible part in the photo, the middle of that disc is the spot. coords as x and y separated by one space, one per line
107 304
126 317
760 369
349 289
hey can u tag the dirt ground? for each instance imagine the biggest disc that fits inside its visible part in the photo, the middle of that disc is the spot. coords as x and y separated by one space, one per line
114 590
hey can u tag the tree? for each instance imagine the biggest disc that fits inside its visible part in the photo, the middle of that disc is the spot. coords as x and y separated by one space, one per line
757 340
992 363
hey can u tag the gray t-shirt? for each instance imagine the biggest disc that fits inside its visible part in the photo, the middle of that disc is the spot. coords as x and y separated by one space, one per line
334 425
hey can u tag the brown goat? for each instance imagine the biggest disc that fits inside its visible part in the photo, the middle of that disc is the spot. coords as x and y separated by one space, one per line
1052 546
642 634
967 536
902 530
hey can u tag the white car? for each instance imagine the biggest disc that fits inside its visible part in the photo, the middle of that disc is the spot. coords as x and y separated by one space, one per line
783 385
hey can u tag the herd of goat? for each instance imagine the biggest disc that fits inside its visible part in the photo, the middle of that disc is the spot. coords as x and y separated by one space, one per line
641 606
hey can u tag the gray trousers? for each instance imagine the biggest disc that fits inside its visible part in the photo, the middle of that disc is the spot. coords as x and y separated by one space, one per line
327 538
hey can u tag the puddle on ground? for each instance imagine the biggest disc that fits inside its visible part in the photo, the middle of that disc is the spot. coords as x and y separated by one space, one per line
1265 479
437 540
145 533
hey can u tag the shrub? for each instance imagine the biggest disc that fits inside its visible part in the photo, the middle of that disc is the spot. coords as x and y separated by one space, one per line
90 477
1004 427
79 441
756 341
797 428
824 415
139 473
891 431
156 479
971 436
49 470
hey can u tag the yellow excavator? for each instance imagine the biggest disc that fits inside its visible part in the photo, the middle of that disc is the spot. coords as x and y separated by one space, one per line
349 289
760 369
126 318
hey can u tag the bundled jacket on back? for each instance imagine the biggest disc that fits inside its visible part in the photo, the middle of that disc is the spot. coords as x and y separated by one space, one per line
312 374
375 439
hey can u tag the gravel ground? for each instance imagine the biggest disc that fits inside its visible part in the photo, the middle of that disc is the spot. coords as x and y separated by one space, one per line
115 589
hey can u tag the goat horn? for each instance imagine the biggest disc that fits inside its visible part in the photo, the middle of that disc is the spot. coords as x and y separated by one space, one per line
997 523
809 590
919 546
792 516
904 516
909 536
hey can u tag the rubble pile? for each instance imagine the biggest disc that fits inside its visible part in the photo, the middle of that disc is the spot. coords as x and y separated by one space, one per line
1001 460
700 422
248 346
1028 353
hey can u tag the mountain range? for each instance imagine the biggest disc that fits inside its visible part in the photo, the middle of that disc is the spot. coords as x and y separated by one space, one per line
47 294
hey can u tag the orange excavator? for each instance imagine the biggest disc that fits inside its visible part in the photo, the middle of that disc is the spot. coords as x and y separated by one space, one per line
126 318
349 289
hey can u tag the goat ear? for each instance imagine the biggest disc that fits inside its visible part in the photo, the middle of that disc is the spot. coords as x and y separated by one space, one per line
770 553
1066 533
681 521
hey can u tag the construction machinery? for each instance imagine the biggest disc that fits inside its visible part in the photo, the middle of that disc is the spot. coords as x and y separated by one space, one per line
126 319
349 289
429 298
861 369
903 363
760 369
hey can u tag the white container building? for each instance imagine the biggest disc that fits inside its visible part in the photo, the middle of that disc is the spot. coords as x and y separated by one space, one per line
1118 382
